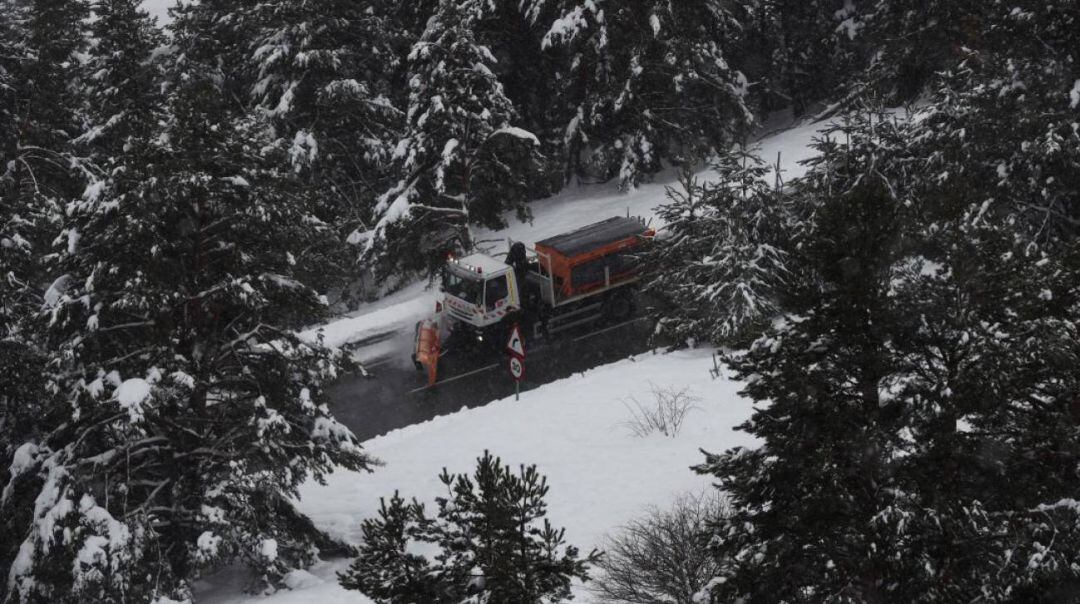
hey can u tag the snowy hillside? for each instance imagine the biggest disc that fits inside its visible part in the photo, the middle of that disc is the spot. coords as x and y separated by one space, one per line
573 430
601 474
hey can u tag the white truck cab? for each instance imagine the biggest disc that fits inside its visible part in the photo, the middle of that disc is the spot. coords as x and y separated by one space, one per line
479 290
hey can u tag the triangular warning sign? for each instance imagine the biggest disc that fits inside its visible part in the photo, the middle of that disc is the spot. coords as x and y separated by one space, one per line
515 344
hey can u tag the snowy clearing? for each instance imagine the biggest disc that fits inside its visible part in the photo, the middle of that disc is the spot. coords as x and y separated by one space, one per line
574 430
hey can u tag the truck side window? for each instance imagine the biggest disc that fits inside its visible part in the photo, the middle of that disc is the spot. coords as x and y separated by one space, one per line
497 289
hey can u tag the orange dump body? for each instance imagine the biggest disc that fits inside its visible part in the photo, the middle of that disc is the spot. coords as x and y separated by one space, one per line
585 260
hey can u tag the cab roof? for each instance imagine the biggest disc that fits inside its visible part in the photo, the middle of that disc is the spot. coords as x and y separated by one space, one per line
481 264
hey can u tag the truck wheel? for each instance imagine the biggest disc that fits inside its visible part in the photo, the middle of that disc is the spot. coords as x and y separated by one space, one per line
619 307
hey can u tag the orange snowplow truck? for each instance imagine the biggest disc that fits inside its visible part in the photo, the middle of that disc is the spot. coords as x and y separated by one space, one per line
583 276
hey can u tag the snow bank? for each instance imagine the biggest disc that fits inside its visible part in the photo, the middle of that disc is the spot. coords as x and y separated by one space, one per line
574 430
393 313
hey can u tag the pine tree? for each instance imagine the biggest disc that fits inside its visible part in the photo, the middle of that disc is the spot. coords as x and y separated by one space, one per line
185 412
913 39
11 52
494 544
123 93
1014 99
460 160
812 49
15 247
530 74
720 262
646 82
385 570
806 500
982 305
52 33
990 346
39 45
330 77
41 41
219 35
977 345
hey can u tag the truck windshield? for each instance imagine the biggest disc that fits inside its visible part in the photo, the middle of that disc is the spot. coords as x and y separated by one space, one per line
469 290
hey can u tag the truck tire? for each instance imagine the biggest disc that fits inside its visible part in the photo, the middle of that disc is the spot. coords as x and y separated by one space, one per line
619 307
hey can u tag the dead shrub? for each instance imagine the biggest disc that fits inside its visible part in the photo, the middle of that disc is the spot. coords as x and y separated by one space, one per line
662 557
665 414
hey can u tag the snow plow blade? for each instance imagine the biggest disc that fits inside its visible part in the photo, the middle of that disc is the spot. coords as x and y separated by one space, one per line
426 354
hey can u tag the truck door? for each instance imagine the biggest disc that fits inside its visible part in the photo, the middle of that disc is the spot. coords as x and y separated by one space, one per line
497 294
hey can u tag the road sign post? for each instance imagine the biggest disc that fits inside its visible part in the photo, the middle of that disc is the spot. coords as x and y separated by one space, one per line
515 348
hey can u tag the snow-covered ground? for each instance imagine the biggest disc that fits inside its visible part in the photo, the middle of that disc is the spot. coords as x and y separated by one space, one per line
159 9
601 475
392 313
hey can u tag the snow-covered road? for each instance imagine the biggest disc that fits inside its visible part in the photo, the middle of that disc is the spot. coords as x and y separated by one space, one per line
390 397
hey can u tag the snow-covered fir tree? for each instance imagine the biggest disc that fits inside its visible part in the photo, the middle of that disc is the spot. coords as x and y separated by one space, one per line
221 34
1003 120
22 358
977 425
514 31
184 412
985 350
812 48
124 91
646 82
13 51
720 263
330 77
51 34
42 41
490 541
910 40
805 501
14 245
460 160
990 345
